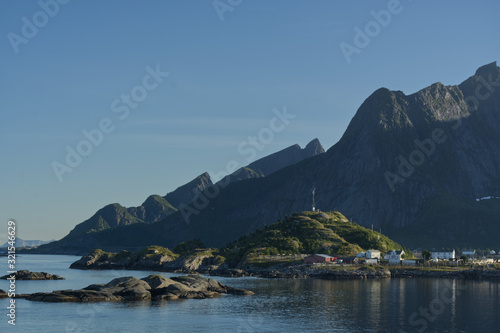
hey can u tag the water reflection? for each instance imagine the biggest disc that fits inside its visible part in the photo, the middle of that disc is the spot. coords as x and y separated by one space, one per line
279 305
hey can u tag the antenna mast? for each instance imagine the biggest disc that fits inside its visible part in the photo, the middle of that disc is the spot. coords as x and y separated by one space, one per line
313 193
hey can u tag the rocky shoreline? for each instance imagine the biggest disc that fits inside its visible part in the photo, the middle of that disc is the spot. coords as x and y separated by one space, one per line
206 263
303 271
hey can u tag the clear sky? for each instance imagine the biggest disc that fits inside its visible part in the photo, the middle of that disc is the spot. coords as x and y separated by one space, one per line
69 67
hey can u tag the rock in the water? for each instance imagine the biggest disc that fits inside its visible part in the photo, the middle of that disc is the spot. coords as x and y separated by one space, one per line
153 258
3 294
27 275
132 289
128 288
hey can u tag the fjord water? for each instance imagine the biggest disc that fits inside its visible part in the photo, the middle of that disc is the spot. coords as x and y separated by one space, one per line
279 305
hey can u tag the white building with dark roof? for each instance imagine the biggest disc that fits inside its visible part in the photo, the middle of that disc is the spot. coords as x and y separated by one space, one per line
443 254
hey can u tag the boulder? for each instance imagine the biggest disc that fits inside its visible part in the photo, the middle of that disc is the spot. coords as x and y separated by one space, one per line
128 288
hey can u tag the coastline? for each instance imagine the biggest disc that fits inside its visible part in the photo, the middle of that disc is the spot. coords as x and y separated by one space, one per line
307 272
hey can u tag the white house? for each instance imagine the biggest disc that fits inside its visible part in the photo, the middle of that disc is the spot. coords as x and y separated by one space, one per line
469 253
492 252
443 254
409 262
394 257
393 254
372 254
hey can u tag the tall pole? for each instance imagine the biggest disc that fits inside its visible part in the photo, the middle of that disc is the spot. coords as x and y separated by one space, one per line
314 205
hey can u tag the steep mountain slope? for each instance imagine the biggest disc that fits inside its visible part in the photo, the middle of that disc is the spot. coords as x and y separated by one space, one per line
154 209
185 194
110 216
274 162
400 155
157 208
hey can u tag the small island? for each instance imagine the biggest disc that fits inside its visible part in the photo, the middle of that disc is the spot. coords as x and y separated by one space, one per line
27 275
129 288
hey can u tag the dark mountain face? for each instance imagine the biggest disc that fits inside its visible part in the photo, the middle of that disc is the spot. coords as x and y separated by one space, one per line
185 194
411 165
400 155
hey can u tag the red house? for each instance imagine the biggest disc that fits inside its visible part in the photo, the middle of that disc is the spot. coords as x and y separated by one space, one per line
317 258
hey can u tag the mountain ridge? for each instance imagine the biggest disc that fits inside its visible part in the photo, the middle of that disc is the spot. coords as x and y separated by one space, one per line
156 208
398 153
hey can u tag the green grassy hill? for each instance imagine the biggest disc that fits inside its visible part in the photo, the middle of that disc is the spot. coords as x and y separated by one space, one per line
309 232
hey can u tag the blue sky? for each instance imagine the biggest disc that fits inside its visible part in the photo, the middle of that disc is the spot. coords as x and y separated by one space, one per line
225 79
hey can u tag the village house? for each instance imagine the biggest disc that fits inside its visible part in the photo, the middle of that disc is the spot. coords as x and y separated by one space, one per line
373 254
350 260
469 253
443 254
394 257
409 262
318 258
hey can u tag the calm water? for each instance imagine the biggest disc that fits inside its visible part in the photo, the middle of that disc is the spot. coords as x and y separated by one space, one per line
411 305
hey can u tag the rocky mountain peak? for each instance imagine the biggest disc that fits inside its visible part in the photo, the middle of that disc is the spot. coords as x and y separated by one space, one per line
187 193
488 69
314 148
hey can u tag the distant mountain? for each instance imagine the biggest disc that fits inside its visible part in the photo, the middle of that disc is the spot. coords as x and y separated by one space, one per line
26 243
409 165
157 208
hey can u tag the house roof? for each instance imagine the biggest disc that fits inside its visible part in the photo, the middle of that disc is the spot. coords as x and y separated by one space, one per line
443 250
322 255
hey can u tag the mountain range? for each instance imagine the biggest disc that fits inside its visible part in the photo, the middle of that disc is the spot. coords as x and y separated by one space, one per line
411 166
26 243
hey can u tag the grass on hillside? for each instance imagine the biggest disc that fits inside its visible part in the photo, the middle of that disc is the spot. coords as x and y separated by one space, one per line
306 233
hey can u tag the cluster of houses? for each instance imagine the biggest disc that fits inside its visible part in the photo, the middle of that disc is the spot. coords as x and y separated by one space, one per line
371 257
472 255
394 257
